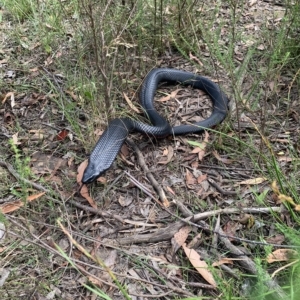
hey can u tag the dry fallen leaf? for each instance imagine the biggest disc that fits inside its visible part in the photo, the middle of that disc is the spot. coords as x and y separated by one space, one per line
200 265
223 261
169 153
283 198
72 94
124 150
12 98
62 135
285 159
252 2
277 239
170 190
131 105
247 220
170 96
200 147
189 178
196 59
281 255
84 190
85 194
111 259
15 139
230 229
125 201
33 98
222 159
201 178
179 238
253 181
10 207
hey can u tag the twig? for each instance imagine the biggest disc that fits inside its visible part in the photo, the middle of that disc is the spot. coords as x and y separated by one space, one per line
204 226
220 190
248 264
149 175
157 296
250 210
215 252
10 168
161 234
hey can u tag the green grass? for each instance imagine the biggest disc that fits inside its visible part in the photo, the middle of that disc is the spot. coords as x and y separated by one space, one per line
90 52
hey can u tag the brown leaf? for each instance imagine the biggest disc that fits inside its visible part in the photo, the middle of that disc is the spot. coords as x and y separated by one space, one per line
253 181
33 70
73 95
222 159
285 158
124 150
62 135
281 197
95 281
223 261
48 61
201 178
199 265
35 196
189 178
169 153
84 190
170 190
196 59
131 105
195 164
80 171
11 95
15 139
277 239
205 142
230 229
10 207
37 135
284 198
275 187
179 238
170 96
281 255
85 194
125 201
247 220
46 164
102 180
33 98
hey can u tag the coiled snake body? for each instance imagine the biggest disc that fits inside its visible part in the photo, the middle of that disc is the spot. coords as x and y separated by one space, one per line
111 141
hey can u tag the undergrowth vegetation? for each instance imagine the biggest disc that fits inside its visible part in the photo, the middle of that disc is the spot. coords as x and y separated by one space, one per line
89 53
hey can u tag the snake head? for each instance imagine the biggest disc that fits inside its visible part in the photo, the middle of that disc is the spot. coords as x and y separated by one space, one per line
91 173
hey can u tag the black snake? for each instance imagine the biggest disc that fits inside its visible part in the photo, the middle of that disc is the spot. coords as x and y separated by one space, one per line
111 141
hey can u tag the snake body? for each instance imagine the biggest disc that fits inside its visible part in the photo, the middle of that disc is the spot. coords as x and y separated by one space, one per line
111 141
